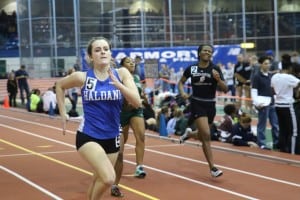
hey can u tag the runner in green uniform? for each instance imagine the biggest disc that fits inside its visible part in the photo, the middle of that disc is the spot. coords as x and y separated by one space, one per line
131 118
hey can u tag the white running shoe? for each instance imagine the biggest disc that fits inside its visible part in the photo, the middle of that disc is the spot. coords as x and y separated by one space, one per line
185 136
215 172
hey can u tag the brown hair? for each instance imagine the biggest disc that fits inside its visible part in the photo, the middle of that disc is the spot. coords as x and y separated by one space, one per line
90 43
70 71
123 60
178 112
245 118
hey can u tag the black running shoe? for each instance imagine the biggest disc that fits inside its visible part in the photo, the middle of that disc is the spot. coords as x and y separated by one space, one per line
115 191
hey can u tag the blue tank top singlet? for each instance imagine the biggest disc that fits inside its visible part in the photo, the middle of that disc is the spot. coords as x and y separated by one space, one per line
102 103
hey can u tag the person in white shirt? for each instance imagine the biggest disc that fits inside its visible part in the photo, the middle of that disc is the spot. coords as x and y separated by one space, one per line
283 84
229 78
49 97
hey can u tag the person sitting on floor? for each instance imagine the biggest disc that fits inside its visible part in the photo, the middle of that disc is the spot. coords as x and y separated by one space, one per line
171 124
226 124
49 97
36 103
242 134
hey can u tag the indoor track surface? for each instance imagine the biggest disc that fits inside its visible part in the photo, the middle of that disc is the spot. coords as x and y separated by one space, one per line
38 162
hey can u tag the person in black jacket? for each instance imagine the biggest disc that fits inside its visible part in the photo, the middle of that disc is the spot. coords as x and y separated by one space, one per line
12 89
242 133
21 76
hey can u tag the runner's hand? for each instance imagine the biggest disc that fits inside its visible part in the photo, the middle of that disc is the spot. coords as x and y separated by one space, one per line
216 75
114 79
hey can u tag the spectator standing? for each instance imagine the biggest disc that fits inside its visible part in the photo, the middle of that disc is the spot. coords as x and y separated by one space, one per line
221 66
179 74
21 77
261 90
255 66
229 78
295 57
283 84
205 77
102 91
242 73
12 89
173 80
274 68
164 75
137 69
76 66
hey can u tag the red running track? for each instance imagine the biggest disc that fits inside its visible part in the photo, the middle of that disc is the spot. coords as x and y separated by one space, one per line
38 162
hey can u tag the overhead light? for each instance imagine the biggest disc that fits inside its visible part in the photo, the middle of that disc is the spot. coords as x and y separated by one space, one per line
247 45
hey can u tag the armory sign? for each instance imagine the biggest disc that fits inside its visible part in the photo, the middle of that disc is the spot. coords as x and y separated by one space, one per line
174 57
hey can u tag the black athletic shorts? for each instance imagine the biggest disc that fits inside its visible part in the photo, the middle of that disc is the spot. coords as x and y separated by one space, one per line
109 145
203 109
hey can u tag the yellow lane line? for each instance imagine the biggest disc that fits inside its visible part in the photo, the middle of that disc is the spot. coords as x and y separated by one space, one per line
44 146
74 167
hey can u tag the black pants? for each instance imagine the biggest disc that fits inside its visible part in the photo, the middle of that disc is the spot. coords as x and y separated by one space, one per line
287 128
297 112
22 89
12 99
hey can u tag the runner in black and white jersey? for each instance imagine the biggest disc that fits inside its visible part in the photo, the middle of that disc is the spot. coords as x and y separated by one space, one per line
205 78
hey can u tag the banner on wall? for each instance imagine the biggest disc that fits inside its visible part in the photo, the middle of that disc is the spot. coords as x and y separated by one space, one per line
174 57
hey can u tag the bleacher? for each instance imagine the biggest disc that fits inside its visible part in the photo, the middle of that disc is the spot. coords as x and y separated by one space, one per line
42 84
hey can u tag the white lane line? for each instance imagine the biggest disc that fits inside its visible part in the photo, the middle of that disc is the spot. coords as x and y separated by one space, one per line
43 190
